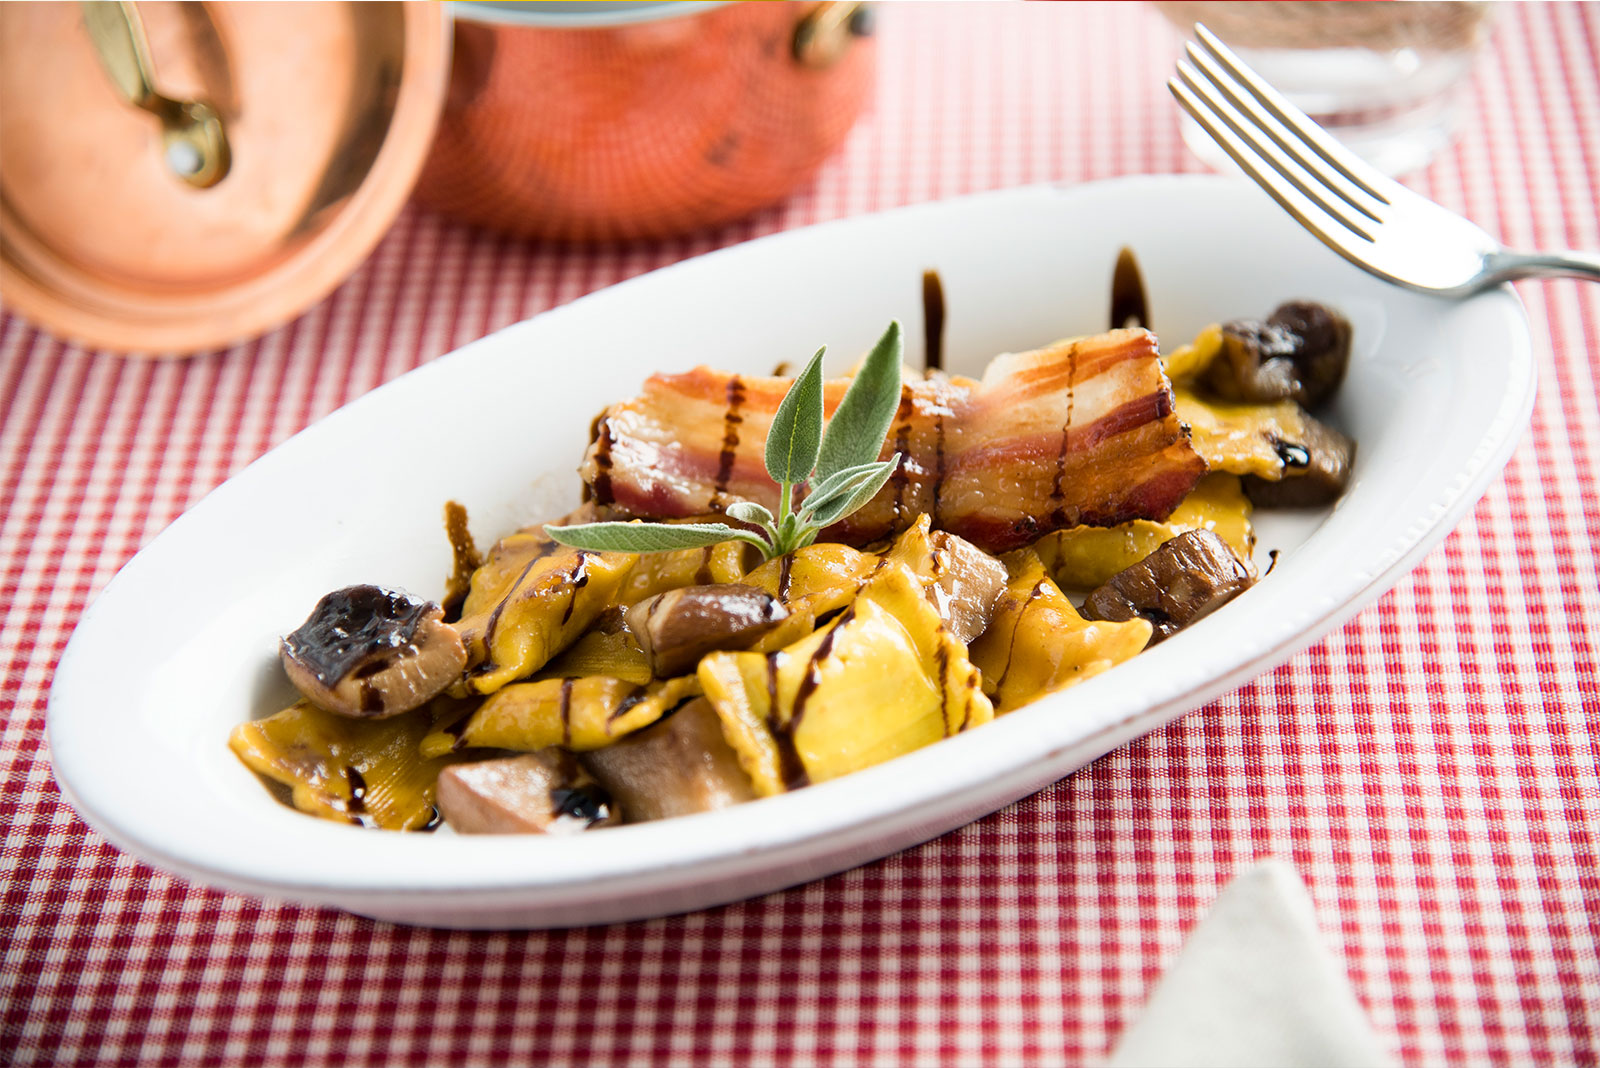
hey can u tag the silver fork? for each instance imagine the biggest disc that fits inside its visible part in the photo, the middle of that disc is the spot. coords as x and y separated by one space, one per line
1374 222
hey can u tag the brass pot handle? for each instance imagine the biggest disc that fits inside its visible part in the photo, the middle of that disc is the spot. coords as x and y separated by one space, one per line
823 35
193 141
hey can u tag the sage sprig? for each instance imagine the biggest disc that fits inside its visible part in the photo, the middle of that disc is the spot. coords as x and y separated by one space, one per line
842 459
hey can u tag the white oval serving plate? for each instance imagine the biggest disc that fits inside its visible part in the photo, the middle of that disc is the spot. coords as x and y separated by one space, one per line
182 644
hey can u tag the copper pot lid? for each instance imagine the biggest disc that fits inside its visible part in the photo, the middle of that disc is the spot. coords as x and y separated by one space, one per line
176 177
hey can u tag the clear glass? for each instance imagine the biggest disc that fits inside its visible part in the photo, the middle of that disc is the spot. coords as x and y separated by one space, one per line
1384 76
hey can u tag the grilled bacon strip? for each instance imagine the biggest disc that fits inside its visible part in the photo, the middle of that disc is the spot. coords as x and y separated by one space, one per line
1079 432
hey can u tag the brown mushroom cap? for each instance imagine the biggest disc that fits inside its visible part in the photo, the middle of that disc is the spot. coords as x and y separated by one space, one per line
547 792
675 629
1300 351
369 652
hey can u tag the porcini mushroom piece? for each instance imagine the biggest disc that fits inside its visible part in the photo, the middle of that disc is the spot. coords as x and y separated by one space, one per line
1316 469
1086 557
370 652
675 629
962 581
1187 578
968 587
547 792
675 767
1299 352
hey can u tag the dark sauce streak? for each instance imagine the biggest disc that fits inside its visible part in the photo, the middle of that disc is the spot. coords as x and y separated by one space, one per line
828 617
371 700
576 582
902 439
675 708
1272 562
730 440
702 575
566 711
1294 457
938 467
1128 304
358 789
494 616
785 569
933 320
790 767
350 625
1011 648
590 803
626 703
602 464
458 731
944 688
1058 515
813 673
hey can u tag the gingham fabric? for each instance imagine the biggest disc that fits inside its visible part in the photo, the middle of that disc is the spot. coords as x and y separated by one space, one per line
1429 769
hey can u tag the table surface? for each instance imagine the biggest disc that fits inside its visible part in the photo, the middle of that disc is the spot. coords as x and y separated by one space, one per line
1430 769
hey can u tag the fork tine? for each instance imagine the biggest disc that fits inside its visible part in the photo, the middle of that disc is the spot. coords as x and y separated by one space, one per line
1309 213
1342 159
1264 149
1265 122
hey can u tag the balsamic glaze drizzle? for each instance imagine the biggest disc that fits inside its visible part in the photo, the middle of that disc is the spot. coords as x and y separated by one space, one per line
1128 304
933 320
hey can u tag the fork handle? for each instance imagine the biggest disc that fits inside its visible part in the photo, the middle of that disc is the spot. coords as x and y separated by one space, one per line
1509 266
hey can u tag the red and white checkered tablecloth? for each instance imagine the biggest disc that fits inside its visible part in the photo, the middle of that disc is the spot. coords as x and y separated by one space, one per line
1430 769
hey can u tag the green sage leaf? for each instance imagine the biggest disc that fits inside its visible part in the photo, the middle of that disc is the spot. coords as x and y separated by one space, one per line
838 486
649 537
791 535
861 492
796 432
751 512
855 433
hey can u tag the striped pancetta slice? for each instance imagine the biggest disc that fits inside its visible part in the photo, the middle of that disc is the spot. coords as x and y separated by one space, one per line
1079 432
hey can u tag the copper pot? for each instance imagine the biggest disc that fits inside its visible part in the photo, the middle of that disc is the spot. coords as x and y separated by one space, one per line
633 120
182 176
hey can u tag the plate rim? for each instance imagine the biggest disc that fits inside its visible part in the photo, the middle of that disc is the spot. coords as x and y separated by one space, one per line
512 885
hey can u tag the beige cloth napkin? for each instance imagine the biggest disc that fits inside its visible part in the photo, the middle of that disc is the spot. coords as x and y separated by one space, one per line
1254 985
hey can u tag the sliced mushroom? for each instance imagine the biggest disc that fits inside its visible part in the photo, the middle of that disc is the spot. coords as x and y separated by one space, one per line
962 581
1185 579
369 652
680 765
675 629
966 590
547 792
1316 469
1299 352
